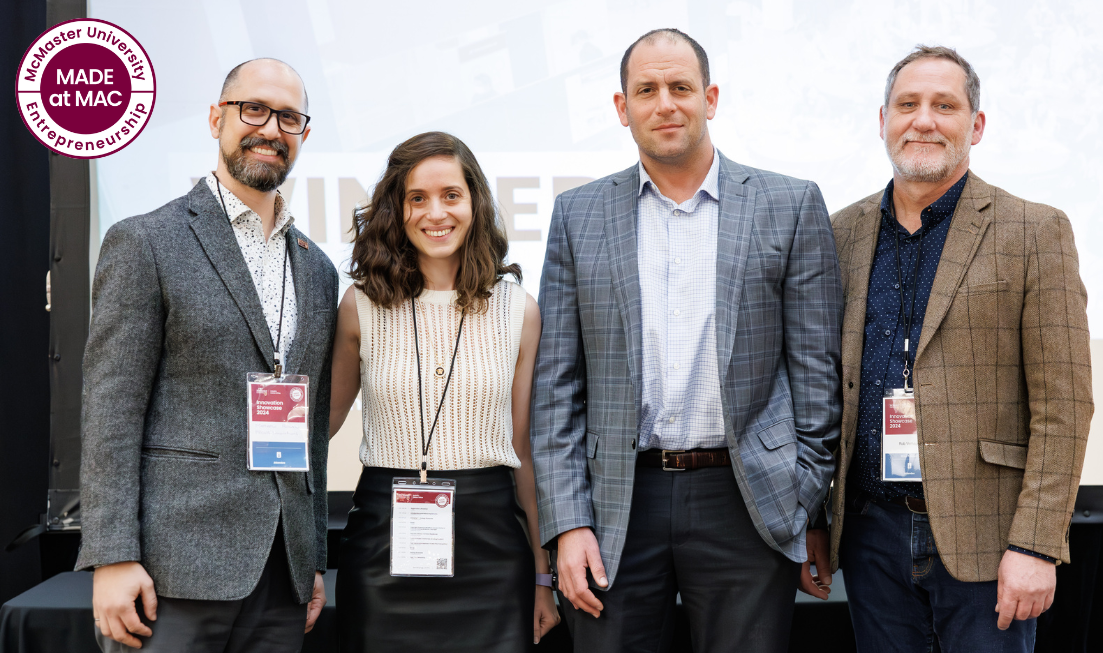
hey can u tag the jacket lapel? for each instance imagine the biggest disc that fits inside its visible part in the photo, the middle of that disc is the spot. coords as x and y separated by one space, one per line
857 257
737 203
216 236
621 202
967 228
300 272
859 263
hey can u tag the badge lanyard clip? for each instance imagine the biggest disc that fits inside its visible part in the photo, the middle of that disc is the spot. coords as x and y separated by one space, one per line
423 472
277 361
907 372
909 316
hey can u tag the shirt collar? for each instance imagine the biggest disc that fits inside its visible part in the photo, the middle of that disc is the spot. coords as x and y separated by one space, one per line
711 184
938 211
237 210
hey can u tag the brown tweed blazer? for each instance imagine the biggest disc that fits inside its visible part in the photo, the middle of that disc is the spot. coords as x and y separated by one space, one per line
1002 374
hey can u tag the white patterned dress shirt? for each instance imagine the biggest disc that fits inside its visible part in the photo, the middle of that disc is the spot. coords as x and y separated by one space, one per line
677 256
267 260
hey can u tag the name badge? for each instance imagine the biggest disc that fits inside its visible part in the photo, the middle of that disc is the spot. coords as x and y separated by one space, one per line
899 438
279 427
423 533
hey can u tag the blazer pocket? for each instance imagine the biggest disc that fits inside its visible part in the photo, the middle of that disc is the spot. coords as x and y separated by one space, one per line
983 288
778 435
1003 453
179 453
591 444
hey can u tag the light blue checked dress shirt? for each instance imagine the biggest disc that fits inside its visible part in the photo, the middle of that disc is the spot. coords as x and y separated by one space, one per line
677 259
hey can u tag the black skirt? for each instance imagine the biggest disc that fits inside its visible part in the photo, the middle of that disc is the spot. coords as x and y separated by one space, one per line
486 606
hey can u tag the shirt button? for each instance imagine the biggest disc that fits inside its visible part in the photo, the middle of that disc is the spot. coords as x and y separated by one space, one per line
677 312
896 286
877 382
677 212
677 260
671 420
675 366
888 332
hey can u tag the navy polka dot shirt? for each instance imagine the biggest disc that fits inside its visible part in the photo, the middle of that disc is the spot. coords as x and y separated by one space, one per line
883 353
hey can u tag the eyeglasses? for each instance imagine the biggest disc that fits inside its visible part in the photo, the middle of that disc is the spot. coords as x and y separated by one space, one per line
258 115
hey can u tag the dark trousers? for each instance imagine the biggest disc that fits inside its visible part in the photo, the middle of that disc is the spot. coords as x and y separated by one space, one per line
903 599
690 532
269 620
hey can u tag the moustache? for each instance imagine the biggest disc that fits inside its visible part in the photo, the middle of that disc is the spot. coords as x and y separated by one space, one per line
919 138
255 141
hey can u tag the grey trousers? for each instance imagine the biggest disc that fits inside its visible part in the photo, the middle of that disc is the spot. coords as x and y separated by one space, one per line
269 620
690 532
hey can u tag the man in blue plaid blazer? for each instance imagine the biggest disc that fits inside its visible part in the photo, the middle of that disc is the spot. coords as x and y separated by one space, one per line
687 392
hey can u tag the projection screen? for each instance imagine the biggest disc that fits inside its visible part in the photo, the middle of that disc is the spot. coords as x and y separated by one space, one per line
529 86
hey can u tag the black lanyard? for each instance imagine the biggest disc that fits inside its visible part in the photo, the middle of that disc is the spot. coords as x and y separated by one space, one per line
278 358
420 399
910 313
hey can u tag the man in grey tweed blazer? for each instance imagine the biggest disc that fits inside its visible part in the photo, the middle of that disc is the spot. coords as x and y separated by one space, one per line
687 392
187 300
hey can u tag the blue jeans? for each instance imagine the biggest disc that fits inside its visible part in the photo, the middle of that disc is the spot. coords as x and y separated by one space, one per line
901 597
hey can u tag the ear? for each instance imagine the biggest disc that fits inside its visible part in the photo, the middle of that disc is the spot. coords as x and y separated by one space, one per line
712 96
978 127
881 120
621 103
214 120
305 134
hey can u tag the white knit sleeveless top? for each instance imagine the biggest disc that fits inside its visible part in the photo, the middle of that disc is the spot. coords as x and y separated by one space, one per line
475 428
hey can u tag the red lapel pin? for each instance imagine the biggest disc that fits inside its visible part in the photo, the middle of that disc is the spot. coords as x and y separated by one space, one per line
303 243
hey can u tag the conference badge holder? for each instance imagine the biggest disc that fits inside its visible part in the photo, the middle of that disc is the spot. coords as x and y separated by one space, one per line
899 430
423 527
279 430
279 404
900 437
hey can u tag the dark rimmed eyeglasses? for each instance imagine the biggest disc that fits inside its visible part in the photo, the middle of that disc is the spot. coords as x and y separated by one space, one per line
258 115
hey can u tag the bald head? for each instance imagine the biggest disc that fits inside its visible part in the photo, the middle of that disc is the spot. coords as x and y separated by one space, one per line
271 70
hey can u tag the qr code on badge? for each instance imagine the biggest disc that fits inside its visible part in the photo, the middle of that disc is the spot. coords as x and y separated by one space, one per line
442 563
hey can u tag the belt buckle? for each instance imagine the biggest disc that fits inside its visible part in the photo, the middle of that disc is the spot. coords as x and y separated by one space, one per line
908 505
665 461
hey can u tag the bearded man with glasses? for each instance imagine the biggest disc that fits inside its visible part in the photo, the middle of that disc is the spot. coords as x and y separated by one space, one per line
194 549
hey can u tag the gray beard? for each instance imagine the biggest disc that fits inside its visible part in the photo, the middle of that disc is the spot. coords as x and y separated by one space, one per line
928 170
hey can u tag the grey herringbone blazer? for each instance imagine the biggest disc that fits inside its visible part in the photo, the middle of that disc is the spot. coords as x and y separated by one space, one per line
778 320
1002 373
176 326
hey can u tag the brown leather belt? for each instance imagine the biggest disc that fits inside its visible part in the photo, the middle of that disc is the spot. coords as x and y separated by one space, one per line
911 503
682 461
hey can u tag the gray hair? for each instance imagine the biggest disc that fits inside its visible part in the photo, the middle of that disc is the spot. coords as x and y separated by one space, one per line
972 82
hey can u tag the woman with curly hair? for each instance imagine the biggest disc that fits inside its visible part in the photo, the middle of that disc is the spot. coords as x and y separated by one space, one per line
442 347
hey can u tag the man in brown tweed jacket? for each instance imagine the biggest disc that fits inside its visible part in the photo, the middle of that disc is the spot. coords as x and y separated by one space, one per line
972 298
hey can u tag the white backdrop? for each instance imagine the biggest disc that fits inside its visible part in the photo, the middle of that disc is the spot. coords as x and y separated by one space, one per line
529 86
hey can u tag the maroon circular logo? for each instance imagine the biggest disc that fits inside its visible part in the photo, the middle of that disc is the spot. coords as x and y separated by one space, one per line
86 88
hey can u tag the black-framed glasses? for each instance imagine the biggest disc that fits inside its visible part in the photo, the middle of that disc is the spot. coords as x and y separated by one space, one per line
258 115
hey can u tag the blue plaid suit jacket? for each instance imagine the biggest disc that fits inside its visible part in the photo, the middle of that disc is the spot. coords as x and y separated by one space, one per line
778 322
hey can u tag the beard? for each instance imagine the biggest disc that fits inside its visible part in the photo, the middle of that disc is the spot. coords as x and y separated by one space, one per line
259 175
926 167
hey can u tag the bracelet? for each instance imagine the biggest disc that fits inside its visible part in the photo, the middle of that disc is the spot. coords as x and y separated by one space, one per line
1034 554
546 580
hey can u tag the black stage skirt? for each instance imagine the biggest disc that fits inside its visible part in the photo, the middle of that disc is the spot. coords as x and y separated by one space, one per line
486 606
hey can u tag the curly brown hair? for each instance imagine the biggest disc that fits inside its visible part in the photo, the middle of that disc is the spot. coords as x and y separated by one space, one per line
385 262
